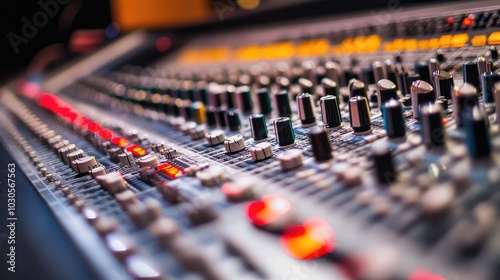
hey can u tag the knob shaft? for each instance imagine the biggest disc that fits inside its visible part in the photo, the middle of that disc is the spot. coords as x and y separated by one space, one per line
394 121
305 108
283 129
258 126
330 111
359 114
431 122
422 93
470 73
422 69
321 145
357 88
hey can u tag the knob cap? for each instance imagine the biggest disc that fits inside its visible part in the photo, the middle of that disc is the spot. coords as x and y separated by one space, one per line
489 81
233 120
444 84
477 133
470 73
440 56
321 145
368 76
230 96
215 137
198 112
291 159
264 101
330 111
283 129
378 71
211 116
283 103
244 98
465 98
384 165
305 108
261 151
357 88
234 144
258 126
422 69
404 86
333 71
330 87
84 165
431 122
386 90
483 66
422 93
306 85
359 114
394 121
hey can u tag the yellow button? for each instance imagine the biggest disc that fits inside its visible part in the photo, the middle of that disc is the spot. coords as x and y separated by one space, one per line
434 43
445 41
398 44
494 38
410 44
459 40
320 47
423 44
479 40
388 47
373 43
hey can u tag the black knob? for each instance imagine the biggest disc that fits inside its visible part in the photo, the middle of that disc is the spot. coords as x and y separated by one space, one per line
221 116
282 100
230 101
330 87
378 71
321 145
465 99
258 126
283 83
422 69
357 88
489 81
175 107
188 92
359 114
403 83
431 122
305 108
422 93
210 112
306 85
202 93
368 76
389 71
233 120
186 109
394 121
477 133
283 129
330 111
493 53
216 98
244 97
444 84
384 165
264 101
440 56
333 71
470 73
386 90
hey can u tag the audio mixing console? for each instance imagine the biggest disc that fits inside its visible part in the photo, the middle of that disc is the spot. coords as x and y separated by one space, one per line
357 147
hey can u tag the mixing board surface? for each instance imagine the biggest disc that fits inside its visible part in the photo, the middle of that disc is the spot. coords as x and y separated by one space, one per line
359 147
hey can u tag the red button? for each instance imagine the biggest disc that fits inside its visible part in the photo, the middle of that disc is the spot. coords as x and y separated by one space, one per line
267 210
313 239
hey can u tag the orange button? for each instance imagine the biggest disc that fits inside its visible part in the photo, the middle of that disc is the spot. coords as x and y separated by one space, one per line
459 40
494 38
479 40
423 44
445 41
410 44
313 239
267 210
434 43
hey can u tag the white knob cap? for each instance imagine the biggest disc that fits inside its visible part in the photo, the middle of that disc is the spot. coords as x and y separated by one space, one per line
290 159
84 165
113 182
261 151
148 160
215 137
234 144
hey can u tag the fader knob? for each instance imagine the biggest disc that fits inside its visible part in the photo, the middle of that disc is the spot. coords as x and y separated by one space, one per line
359 114
470 73
394 121
443 82
283 103
283 129
305 108
386 90
431 122
244 98
264 100
357 88
383 162
330 111
489 81
234 144
258 126
465 98
84 165
477 134
422 93
321 145
233 120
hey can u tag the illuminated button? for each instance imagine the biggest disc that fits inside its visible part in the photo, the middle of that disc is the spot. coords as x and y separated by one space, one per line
120 245
494 38
290 159
261 151
171 171
113 182
148 160
105 134
84 165
98 171
239 190
212 176
126 159
215 137
272 212
234 144
459 40
136 150
120 142
313 239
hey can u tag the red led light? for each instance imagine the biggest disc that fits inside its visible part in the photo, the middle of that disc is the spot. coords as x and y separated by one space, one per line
467 22
170 170
120 142
81 121
93 127
449 20
267 210
313 239
163 44
105 134
136 150
48 101
423 274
